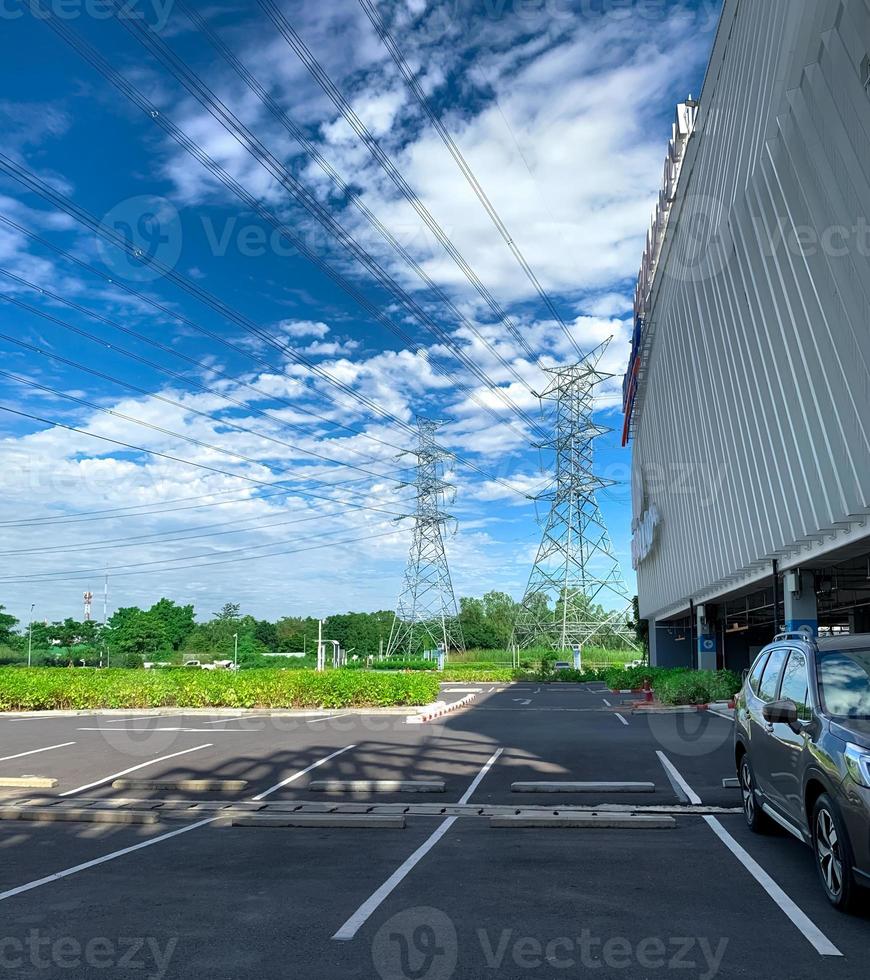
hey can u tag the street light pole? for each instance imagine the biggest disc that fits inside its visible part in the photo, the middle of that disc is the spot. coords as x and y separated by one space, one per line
30 635
235 649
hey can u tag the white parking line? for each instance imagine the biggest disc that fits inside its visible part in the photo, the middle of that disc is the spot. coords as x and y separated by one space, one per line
141 731
682 788
112 721
609 705
101 860
338 714
620 717
802 922
47 748
141 765
359 918
297 775
805 925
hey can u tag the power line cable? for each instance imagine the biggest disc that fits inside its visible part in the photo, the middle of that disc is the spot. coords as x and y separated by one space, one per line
169 401
181 318
50 576
170 456
115 513
162 536
246 139
446 138
347 192
44 190
109 544
317 72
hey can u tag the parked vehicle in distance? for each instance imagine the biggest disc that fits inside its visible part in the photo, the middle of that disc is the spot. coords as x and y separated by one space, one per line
802 750
561 665
192 663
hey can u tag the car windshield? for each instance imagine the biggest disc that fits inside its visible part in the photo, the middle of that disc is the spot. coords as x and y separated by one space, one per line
844 682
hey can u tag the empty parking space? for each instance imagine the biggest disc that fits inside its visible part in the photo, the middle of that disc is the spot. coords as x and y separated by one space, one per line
519 900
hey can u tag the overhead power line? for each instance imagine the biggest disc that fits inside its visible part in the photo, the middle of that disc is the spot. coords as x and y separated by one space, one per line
245 352
347 192
228 423
209 564
180 459
411 80
40 187
318 73
116 513
165 537
247 139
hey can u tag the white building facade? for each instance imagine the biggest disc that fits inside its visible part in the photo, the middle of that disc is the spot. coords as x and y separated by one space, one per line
747 399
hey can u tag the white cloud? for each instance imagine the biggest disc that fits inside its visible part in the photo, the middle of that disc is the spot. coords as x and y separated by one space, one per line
303 328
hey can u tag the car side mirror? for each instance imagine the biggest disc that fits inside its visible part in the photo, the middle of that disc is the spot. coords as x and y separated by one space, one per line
781 712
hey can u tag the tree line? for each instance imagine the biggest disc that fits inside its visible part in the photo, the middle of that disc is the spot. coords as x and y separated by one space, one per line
171 632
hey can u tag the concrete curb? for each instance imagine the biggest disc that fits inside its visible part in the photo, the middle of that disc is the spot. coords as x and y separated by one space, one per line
345 820
586 787
439 711
240 712
56 815
28 782
591 821
377 786
192 785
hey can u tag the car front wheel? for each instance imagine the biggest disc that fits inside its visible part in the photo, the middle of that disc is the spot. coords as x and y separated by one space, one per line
756 819
833 855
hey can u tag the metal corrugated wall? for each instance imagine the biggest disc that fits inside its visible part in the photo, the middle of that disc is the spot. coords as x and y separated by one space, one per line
752 428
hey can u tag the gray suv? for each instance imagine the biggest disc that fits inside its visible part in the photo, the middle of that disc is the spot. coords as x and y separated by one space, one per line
802 749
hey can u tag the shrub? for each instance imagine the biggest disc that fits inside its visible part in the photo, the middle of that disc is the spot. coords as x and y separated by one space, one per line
696 686
40 689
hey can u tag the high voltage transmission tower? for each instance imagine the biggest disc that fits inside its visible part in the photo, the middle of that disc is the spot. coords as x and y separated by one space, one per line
426 612
575 574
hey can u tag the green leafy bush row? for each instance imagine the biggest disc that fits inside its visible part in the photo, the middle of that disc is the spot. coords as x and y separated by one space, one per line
696 686
43 689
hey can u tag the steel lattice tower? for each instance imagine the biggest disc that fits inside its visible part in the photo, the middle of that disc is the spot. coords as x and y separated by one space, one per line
575 568
426 612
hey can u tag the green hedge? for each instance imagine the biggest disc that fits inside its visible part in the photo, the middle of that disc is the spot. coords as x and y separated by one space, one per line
696 686
43 689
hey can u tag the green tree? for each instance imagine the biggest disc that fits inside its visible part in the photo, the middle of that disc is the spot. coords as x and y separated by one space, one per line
178 621
134 630
7 626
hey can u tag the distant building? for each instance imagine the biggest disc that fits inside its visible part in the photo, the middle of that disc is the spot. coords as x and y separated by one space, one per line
748 393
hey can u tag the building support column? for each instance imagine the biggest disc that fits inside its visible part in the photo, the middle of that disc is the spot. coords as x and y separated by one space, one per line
707 638
801 607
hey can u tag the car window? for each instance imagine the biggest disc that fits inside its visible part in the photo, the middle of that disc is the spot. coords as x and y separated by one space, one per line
755 676
844 683
796 685
770 677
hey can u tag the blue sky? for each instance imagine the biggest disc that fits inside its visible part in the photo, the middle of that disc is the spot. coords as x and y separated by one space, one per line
563 111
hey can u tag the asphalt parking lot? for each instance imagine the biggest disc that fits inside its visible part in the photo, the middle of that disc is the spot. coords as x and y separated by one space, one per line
448 895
